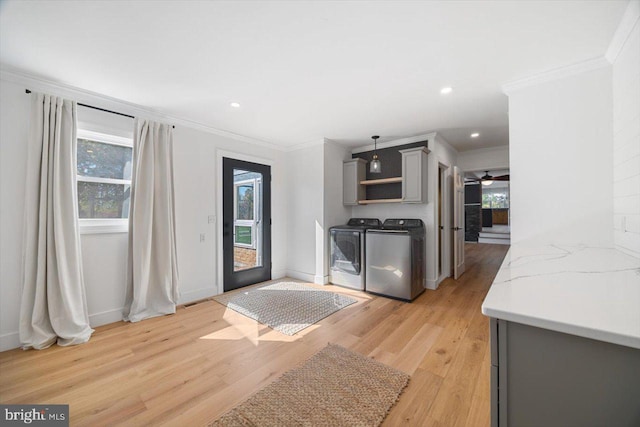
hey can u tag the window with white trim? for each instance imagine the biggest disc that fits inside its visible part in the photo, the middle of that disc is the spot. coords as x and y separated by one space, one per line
245 213
104 164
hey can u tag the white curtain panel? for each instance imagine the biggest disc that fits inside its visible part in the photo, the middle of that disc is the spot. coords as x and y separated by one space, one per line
152 283
54 306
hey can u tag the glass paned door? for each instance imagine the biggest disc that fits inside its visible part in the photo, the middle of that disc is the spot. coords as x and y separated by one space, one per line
246 223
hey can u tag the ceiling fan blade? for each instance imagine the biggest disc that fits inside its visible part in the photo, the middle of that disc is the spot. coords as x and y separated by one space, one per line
501 178
486 177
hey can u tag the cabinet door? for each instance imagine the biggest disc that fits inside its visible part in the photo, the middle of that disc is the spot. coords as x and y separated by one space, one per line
352 173
414 172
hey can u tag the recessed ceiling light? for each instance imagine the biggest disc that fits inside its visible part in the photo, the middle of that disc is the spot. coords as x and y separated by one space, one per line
475 135
235 105
446 90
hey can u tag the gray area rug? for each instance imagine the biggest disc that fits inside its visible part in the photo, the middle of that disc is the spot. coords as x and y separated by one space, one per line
287 307
336 387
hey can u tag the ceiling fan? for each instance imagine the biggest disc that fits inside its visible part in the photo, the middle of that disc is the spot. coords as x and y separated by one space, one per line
487 179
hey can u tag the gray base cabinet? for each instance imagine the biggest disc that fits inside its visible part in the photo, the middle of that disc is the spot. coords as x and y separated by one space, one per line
546 378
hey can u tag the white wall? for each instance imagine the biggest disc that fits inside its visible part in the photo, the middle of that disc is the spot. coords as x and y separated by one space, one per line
561 155
335 213
626 138
441 153
104 255
104 263
482 159
314 186
305 178
14 111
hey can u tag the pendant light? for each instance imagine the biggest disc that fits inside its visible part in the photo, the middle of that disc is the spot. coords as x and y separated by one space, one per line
375 166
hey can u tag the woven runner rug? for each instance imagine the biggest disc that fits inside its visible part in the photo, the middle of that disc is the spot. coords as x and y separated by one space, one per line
287 307
336 387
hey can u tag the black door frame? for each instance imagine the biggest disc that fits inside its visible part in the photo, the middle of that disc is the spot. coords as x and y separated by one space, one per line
237 279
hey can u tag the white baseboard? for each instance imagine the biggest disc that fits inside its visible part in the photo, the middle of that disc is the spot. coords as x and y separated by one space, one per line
432 284
320 280
301 276
278 274
197 295
105 317
9 341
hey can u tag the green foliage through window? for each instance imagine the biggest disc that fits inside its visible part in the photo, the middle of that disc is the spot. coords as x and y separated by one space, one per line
495 200
245 202
100 200
104 179
243 235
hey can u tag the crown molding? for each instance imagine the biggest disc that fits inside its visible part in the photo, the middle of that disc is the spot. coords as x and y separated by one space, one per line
486 149
328 141
628 22
39 84
394 143
303 145
444 143
555 74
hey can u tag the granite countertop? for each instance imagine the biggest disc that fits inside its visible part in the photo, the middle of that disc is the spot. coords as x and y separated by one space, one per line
586 291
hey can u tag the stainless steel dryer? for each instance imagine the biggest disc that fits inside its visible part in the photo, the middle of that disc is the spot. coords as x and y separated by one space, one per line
348 252
395 259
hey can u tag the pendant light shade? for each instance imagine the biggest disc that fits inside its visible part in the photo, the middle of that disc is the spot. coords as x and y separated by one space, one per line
375 166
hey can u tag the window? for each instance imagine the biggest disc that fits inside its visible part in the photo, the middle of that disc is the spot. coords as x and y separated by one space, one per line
495 198
244 196
246 216
104 165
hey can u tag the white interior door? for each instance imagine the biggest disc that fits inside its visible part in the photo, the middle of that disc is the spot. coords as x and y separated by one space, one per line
458 223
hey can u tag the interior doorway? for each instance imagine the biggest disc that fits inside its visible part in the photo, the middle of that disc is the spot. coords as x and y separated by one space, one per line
441 225
444 221
488 219
246 218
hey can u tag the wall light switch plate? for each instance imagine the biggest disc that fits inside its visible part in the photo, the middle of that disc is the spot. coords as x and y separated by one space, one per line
201 238
212 219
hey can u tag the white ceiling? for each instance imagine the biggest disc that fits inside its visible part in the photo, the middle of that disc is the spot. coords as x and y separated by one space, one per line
307 70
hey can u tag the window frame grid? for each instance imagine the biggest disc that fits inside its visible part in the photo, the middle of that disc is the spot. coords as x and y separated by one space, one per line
103 225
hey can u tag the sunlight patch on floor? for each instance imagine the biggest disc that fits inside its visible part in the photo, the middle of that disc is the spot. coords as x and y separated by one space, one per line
241 327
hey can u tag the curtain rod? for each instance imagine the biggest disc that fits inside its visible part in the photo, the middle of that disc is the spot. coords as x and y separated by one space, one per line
101 109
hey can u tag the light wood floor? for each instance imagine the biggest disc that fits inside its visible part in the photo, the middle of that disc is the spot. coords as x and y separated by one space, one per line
189 368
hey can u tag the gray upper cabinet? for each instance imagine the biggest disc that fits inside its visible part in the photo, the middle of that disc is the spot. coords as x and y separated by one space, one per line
414 175
353 171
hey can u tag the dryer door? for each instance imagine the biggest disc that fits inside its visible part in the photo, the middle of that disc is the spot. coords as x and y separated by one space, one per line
345 251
